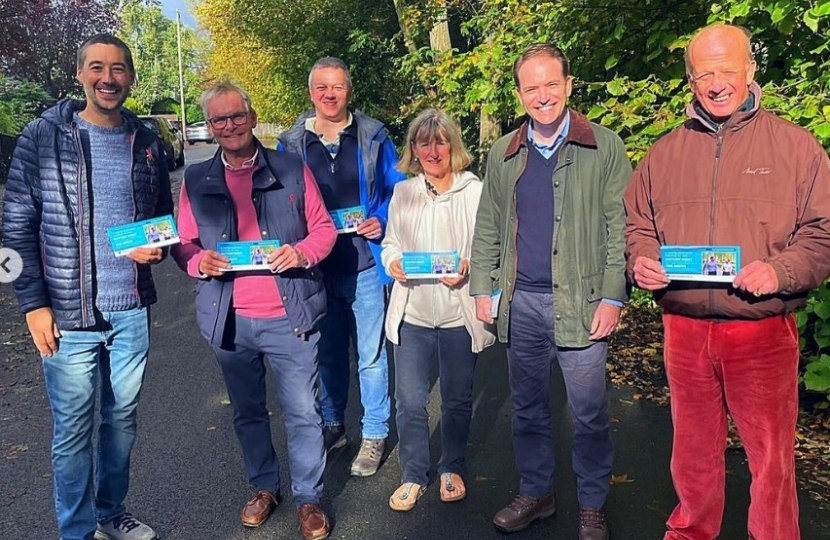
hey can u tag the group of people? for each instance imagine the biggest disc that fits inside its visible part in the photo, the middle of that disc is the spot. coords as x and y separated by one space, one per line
548 244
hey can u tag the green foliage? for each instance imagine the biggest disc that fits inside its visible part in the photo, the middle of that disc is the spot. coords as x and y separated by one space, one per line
153 41
20 103
814 339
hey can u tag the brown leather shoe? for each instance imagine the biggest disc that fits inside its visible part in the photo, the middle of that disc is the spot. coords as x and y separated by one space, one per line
522 511
592 524
259 508
314 523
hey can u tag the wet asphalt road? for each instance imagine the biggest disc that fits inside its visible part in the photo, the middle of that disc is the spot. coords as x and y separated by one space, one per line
188 480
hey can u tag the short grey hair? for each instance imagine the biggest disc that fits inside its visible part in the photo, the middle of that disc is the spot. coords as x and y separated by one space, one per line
331 62
745 31
224 86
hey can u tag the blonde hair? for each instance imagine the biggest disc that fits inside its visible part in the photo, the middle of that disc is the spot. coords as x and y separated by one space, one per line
434 124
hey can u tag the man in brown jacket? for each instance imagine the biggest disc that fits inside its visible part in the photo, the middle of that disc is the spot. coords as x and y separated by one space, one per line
734 174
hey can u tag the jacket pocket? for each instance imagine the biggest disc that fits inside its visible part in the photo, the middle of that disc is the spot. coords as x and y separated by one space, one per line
495 275
591 296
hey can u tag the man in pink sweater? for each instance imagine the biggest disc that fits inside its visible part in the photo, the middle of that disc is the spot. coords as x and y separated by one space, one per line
249 193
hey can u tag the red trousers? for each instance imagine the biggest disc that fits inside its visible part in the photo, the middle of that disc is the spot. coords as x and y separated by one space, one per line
750 369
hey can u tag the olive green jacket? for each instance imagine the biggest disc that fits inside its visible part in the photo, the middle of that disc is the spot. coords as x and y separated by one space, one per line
590 178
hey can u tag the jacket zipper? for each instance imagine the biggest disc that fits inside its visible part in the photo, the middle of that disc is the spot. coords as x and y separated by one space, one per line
135 210
720 136
81 244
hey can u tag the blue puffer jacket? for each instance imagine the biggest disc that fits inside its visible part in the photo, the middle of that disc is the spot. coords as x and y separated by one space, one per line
377 176
46 213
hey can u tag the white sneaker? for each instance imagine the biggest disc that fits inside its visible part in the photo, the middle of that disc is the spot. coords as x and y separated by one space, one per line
124 527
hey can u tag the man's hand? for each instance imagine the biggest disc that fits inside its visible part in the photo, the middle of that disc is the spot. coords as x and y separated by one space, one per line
649 275
606 319
396 271
758 278
145 255
44 331
211 263
285 258
463 269
370 228
483 306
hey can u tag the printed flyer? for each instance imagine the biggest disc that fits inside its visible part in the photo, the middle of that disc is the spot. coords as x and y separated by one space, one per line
251 255
701 263
347 220
155 232
430 264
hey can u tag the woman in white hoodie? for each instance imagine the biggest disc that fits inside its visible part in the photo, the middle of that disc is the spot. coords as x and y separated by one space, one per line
432 322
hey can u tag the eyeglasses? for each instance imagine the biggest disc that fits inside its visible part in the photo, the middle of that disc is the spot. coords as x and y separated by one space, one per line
220 122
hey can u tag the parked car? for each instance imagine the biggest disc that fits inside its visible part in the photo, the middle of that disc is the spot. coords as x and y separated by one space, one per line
170 140
198 132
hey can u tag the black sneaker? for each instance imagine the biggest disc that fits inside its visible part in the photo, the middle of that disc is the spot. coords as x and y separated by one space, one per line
334 437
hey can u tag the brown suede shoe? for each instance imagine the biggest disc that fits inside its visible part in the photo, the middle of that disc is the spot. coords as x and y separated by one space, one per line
314 523
522 511
259 508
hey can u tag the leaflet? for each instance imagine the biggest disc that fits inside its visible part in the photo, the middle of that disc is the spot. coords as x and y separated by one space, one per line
430 264
246 255
495 296
347 220
701 263
154 232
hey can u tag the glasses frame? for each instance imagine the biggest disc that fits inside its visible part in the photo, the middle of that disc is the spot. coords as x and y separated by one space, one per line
237 118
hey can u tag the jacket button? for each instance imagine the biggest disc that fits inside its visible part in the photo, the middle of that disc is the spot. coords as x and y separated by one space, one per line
556 184
555 285
264 233
214 304
285 298
558 317
558 218
224 235
555 251
296 330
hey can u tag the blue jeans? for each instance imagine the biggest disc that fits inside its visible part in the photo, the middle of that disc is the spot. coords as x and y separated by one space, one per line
116 348
293 361
530 351
356 307
420 352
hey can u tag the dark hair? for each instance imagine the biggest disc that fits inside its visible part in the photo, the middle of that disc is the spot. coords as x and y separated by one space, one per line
541 49
105 39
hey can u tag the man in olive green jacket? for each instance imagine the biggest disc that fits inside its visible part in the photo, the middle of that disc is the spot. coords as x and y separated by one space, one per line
550 234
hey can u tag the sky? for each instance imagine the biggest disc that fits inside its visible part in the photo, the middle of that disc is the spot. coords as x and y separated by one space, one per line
169 7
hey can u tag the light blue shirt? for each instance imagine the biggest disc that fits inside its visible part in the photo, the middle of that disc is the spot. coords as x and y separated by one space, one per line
548 150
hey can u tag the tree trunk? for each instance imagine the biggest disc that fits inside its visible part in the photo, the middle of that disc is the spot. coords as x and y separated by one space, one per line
489 131
439 35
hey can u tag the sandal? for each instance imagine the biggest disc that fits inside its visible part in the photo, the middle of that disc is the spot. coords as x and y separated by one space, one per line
405 497
452 488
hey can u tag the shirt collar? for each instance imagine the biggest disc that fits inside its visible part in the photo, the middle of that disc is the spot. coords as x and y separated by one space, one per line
566 124
247 164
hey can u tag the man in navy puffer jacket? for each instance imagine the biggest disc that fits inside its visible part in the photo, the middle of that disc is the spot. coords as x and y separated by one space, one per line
80 169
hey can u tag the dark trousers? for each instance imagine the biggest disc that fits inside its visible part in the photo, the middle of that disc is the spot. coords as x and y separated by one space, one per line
421 350
294 363
530 354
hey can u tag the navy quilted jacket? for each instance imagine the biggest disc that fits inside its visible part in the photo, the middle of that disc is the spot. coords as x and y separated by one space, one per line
46 213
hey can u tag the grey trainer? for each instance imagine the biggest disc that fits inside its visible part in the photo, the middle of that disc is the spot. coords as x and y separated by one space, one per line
367 461
124 527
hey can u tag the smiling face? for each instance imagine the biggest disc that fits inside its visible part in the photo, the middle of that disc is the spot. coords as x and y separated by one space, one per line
330 93
435 157
543 88
720 70
235 140
106 79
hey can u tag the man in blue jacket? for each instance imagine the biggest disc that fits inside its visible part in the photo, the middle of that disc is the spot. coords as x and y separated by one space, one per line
354 161
79 169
